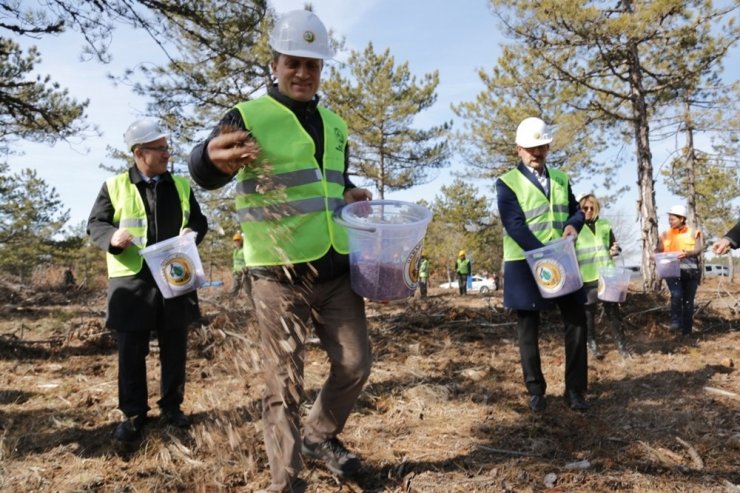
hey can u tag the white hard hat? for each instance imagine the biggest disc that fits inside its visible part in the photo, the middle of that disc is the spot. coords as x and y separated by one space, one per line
677 210
142 131
301 33
583 195
532 132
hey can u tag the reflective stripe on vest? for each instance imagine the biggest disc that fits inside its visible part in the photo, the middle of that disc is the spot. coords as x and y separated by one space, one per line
284 202
545 217
130 214
680 240
463 266
592 249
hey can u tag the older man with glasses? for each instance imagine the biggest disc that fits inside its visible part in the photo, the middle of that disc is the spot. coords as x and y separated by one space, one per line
139 207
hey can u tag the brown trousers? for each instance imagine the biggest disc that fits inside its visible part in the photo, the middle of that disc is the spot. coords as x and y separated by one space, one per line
284 314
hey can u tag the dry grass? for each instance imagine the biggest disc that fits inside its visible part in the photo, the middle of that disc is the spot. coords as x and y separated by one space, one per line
444 410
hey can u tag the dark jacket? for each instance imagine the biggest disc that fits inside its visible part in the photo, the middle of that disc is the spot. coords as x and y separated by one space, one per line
330 266
134 302
520 288
734 235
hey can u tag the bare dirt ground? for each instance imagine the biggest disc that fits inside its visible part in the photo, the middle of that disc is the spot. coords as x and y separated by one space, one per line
444 410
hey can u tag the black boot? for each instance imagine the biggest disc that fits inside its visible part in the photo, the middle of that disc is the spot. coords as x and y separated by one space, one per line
591 330
612 312
623 350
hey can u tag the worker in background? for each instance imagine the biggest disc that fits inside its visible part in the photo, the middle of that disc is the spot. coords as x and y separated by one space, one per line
595 247
463 269
239 273
423 276
689 245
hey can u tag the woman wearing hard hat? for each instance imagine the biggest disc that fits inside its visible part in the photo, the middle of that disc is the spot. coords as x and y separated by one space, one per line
289 155
689 245
595 246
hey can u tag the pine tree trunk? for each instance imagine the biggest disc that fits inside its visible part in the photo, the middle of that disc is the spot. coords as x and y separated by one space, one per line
646 201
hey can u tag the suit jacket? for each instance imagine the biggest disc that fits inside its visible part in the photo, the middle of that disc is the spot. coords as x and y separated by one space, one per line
520 288
134 302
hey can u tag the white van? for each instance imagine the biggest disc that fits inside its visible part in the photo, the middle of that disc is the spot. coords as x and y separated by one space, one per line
711 270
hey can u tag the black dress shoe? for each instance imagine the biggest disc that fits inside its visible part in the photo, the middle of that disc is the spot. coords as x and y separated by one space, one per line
176 418
537 403
576 401
129 430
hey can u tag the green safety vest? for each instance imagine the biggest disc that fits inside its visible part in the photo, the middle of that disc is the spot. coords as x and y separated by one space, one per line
284 202
462 266
592 250
130 214
424 269
545 218
238 257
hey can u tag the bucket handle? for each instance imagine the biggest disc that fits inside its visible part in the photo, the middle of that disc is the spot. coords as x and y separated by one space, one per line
337 216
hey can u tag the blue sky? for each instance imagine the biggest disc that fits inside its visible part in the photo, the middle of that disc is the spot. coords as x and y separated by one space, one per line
427 34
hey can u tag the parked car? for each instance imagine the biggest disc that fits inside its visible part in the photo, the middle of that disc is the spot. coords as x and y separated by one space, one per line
483 285
711 270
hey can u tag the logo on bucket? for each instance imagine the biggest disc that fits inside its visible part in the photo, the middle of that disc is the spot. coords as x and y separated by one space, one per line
411 269
177 270
549 275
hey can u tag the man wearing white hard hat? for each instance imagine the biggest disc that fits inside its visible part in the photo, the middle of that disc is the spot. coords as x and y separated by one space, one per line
689 245
140 207
290 158
536 205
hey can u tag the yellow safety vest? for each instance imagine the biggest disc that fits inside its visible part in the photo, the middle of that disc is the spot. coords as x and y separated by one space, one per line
545 218
130 214
284 201
592 250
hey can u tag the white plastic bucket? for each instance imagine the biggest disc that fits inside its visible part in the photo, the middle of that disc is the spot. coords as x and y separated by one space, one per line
555 268
667 265
175 265
385 241
614 283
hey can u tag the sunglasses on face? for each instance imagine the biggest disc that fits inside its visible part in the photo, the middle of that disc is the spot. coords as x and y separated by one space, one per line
586 208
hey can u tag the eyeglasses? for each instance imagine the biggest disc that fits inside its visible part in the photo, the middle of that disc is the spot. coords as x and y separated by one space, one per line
588 208
162 149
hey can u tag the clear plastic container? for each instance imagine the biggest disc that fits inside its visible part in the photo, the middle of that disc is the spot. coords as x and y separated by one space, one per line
385 242
667 265
555 268
175 265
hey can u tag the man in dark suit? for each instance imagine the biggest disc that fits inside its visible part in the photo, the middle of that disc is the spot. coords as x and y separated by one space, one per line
537 206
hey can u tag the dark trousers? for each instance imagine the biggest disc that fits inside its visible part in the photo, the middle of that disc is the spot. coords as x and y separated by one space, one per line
133 347
462 283
423 287
576 370
613 315
683 291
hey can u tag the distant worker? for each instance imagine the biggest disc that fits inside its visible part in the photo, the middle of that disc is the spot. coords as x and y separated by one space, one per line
423 276
69 277
595 247
731 240
463 269
240 273
139 207
689 244
537 206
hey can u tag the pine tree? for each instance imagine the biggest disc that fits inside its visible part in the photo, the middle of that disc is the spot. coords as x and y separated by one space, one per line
379 100
616 65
